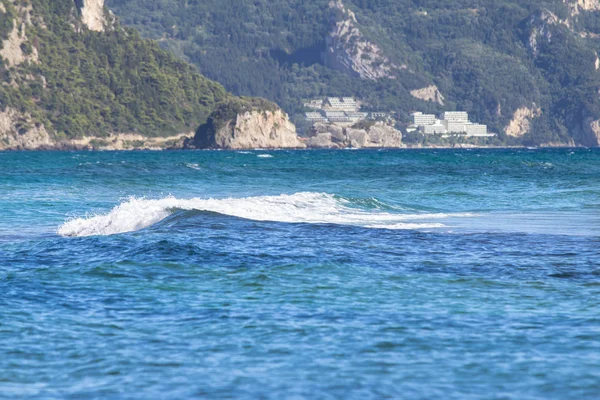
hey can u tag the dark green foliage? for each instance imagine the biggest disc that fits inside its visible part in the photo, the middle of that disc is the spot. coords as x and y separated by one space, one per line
476 51
90 83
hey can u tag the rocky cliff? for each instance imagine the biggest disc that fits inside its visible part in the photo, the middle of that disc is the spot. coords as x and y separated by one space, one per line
577 6
348 50
363 135
429 93
19 132
520 124
92 14
592 132
247 124
72 77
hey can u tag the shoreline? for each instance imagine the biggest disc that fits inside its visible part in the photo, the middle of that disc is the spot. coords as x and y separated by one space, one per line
181 142
84 148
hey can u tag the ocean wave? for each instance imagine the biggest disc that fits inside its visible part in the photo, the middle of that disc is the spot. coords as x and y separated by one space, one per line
306 207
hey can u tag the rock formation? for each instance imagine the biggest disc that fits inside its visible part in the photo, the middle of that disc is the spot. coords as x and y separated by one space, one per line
92 14
521 121
430 93
592 131
248 124
376 135
12 47
576 6
18 132
348 50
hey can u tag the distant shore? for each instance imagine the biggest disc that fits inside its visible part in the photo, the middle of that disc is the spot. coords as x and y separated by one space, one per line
68 147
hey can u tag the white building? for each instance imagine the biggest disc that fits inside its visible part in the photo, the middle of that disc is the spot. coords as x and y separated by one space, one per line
337 116
315 117
357 116
451 123
349 101
420 119
456 116
455 127
477 130
433 129
342 104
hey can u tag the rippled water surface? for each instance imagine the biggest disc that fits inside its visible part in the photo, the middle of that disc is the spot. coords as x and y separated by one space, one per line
427 274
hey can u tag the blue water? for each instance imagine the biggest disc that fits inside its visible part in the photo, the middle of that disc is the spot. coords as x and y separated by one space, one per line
427 274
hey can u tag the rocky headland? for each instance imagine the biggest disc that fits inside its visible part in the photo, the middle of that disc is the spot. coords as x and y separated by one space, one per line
247 124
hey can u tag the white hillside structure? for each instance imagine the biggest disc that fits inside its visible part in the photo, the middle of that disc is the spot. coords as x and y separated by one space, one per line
449 123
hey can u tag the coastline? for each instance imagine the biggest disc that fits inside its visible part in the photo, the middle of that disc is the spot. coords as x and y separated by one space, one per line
75 147
182 141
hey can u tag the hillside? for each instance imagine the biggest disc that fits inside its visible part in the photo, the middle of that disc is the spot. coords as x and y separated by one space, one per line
527 68
68 70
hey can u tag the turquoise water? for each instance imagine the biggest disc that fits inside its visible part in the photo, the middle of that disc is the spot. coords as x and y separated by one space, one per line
427 274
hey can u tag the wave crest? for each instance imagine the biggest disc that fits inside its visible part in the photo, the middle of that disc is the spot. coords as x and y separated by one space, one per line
307 207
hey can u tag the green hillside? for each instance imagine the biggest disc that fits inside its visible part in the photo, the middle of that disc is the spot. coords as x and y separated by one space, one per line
488 57
77 82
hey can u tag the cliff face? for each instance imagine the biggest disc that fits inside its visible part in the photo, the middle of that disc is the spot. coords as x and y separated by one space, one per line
248 127
377 135
92 14
430 93
577 6
592 132
19 132
348 50
12 47
521 122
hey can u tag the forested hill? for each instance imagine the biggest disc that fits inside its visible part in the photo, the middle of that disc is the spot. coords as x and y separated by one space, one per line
527 68
68 69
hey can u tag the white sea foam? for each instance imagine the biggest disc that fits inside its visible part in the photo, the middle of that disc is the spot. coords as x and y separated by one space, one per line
265 156
135 213
193 166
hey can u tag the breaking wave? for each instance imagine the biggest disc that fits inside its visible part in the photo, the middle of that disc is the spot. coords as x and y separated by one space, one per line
139 213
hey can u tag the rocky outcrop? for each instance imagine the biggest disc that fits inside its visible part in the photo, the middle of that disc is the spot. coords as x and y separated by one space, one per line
248 124
521 121
14 49
92 14
376 135
577 6
430 93
19 132
348 50
591 129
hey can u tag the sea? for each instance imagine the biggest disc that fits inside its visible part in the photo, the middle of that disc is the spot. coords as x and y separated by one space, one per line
368 274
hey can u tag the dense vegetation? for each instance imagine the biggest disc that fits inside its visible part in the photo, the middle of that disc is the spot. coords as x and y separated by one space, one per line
91 83
477 52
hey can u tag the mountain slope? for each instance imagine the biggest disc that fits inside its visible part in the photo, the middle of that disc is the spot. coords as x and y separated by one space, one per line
527 68
68 70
